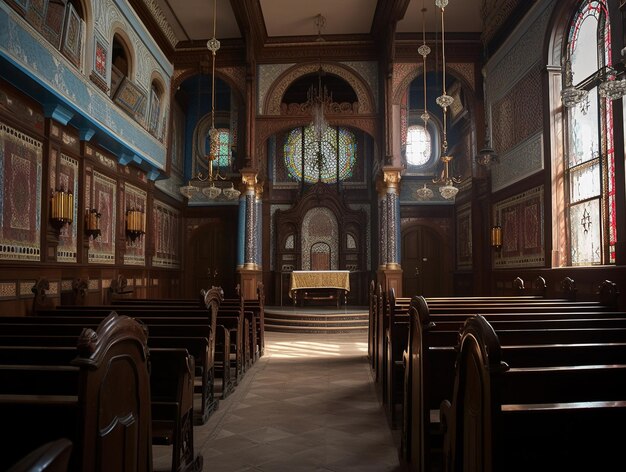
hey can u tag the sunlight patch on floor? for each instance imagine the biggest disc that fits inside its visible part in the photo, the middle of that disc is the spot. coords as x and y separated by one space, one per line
308 349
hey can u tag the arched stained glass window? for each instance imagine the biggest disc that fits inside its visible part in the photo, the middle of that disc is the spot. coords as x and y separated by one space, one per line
589 153
418 145
329 160
220 147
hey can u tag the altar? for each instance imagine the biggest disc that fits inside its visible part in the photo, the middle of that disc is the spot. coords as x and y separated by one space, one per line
319 285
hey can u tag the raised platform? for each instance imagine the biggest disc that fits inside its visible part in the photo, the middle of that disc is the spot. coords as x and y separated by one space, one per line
350 319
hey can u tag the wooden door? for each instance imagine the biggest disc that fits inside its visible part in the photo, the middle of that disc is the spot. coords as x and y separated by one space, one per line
211 259
423 262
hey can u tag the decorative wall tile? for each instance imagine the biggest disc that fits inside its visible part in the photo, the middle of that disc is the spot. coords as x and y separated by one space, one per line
8 290
66 285
518 163
26 288
521 219
166 230
106 283
103 197
53 289
20 195
266 75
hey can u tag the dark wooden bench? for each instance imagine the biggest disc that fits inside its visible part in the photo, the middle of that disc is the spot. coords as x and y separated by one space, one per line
53 456
431 354
82 400
192 334
505 416
171 386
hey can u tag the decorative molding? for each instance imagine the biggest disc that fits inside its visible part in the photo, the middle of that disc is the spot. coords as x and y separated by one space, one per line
272 104
160 20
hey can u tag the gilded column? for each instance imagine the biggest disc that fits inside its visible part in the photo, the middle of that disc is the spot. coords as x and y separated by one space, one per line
258 213
249 181
241 235
250 274
390 272
382 225
392 203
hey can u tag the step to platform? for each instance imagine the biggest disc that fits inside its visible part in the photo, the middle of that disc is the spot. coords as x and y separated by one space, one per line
316 319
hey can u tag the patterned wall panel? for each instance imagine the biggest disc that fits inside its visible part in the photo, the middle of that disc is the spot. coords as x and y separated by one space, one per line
102 195
135 199
20 195
464 237
517 115
67 179
521 219
166 232
319 226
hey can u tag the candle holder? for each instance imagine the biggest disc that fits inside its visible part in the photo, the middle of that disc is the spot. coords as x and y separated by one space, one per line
61 208
135 224
496 237
92 223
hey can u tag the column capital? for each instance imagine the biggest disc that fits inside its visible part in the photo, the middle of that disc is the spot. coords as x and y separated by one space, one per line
249 178
392 176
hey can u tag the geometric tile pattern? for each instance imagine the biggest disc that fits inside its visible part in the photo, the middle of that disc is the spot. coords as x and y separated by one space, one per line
20 195
521 219
8 289
166 229
464 237
103 197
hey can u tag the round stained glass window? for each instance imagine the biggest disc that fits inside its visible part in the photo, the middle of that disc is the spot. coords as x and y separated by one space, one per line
331 159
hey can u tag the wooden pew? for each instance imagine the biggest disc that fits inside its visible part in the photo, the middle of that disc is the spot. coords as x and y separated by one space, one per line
506 417
53 456
395 323
430 358
171 383
192 334
235 306
109 426
233 321
371 331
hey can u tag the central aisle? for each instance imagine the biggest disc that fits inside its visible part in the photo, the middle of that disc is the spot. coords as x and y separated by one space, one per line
309 404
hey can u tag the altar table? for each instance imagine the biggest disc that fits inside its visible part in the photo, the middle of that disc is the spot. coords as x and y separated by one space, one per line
319 285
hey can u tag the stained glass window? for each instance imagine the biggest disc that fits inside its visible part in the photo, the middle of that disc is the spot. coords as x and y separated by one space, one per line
589 159
220 147
329 160
418 145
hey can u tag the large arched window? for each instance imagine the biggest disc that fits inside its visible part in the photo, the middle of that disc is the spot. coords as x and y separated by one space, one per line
331 159
588 167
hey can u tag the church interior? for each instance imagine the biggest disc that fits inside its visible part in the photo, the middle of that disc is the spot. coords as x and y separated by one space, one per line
327 236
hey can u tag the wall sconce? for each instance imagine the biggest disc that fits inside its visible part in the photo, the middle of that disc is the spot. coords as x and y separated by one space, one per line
92 223
61 208
135 224
496 237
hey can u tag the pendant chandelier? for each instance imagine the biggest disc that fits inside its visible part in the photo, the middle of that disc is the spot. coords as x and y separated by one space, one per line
211 191
447 188
446 181
318 98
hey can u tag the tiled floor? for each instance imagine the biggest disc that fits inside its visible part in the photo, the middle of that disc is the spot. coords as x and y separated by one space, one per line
309 404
